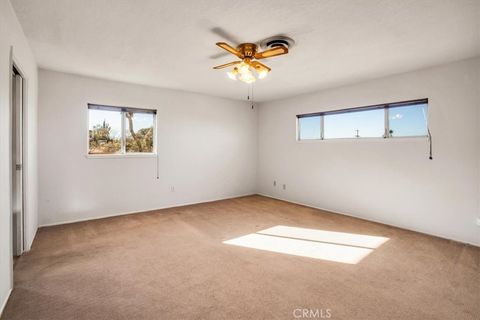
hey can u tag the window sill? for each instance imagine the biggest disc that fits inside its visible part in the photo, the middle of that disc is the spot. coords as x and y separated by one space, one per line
121 156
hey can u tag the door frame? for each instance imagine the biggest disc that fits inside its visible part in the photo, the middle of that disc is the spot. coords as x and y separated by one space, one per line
14 63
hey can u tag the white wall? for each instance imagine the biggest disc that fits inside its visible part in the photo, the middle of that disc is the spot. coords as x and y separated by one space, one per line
11 35
390 181
207 150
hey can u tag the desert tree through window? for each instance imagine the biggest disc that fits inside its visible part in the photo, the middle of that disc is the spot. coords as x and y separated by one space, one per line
121 130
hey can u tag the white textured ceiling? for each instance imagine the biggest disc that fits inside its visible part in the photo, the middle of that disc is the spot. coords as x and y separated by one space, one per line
171 43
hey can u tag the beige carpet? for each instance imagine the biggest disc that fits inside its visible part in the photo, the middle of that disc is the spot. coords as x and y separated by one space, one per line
172 264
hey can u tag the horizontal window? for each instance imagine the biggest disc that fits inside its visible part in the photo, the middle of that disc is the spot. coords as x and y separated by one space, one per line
120 130
399 119
408 121
309 128
364 124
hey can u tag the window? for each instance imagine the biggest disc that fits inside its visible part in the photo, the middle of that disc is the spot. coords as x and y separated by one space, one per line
309 128
120 130
360 124
399 119
408 121
139 132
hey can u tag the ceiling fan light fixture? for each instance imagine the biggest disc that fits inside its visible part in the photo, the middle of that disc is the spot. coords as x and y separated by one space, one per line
233 74
247 77
262 74
248 69
243 68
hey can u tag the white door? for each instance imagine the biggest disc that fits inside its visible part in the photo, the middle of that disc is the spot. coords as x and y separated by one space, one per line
17 164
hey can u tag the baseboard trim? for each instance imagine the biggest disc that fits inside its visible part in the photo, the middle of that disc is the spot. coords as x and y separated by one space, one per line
4 304
371 220
143 210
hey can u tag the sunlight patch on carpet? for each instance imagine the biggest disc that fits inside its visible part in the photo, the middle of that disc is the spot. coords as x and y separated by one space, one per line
312 243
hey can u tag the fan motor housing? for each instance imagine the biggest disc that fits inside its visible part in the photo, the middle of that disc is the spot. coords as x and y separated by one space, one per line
247 49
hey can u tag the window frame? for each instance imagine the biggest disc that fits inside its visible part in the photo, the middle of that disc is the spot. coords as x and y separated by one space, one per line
123 152
299 127
385 106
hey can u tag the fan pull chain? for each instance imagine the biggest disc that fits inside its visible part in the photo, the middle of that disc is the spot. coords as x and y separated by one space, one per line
252 97
250 94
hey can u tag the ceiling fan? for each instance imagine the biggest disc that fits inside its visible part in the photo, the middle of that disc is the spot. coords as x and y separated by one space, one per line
247 69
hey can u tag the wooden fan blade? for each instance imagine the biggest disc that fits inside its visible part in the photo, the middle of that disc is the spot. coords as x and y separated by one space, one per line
225 35
271 52
227 65
230 49
219 55
259 65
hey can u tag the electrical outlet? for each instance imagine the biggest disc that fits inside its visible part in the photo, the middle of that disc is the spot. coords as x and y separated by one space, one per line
274 183
284 186
172 189
478 222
